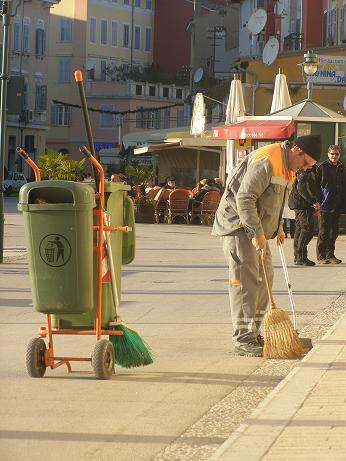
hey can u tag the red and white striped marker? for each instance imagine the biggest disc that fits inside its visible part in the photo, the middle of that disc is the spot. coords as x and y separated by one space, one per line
106 275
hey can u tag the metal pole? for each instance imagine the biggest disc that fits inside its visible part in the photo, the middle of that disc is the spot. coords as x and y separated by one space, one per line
3 102
309 87
192 46
132 26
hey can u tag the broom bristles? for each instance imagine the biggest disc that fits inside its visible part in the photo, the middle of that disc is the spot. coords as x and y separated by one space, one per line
130 349
281 340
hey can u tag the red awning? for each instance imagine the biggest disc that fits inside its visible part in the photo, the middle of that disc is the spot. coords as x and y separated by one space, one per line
255 129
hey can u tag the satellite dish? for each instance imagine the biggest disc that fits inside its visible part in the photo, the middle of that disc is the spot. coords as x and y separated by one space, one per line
280 7
270 51
345 103
198 75
257 21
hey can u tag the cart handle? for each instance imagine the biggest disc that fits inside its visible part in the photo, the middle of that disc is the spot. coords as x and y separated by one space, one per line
30 162
78 76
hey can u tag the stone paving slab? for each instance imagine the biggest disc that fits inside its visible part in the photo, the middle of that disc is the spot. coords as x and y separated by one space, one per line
304 417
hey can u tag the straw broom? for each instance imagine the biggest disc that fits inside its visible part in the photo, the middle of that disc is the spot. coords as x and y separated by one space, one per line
130 349
281 340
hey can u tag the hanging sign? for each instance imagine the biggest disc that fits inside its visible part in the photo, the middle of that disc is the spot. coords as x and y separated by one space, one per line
331 70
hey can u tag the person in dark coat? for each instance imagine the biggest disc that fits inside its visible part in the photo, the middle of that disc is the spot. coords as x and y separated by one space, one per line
331 181
303 200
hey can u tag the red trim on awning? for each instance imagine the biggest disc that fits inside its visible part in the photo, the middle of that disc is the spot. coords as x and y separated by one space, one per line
255 129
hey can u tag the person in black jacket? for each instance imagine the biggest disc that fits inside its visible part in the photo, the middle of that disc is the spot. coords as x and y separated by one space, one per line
303 200
331 181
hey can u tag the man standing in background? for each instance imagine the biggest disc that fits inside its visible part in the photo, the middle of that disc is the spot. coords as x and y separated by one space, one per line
331 182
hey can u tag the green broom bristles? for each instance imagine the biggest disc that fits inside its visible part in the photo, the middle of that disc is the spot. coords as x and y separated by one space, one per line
130 349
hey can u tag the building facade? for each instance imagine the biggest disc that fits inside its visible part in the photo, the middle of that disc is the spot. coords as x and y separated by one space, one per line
112 43
27 119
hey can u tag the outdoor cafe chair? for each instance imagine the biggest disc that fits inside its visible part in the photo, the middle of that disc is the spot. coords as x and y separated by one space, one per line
209 206
178 206
204 212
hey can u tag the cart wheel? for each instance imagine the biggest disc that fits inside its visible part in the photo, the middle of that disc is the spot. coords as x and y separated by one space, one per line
103 358
35 360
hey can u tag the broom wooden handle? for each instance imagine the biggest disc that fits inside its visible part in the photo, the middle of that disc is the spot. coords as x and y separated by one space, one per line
270 294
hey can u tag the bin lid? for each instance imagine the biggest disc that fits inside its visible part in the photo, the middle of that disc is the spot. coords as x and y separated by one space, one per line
116 186
57 192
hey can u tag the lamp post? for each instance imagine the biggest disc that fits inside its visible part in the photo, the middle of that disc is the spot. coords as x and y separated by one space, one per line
5 13
310 66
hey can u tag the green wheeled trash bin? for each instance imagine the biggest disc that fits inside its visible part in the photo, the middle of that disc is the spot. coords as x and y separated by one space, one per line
120 209
58 223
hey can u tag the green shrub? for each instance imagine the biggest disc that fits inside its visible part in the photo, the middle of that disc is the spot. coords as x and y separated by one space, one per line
55 165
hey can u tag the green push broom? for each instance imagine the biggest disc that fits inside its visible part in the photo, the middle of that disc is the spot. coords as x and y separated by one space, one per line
130 349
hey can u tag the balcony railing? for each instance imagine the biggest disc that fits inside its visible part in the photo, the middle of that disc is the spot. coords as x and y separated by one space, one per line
293 42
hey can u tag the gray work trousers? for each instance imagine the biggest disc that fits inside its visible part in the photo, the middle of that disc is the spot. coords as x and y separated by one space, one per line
248 293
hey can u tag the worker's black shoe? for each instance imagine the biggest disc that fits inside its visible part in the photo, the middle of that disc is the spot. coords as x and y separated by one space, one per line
250 349
260 340
334 260
306 262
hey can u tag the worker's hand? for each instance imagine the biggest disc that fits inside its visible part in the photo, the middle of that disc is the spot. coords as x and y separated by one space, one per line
259 242
280 238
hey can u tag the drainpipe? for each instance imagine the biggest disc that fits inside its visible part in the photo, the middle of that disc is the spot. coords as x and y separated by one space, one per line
254 86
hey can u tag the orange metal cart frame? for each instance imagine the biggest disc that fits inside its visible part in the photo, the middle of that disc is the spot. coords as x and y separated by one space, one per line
51 359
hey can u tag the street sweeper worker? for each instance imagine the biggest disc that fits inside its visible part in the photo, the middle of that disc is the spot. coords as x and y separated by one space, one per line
249 214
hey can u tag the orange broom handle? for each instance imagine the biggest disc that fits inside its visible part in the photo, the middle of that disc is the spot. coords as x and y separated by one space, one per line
30 162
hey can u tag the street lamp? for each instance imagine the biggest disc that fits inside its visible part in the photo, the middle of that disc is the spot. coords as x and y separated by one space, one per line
6 22
310 66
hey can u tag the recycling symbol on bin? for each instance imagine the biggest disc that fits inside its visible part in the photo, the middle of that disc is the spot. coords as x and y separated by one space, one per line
55 250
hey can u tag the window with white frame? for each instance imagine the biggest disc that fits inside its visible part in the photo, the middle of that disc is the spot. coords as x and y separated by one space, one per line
114 71
92 30
40 44
106 119
166 117
16 34
126 36
343 24
41 97
90 68
137 3
26 35
25 94
65 30
148 4
148 39
104 33
103 70
180 117
126 2
139 119
332 14
60 115
114 33
64 70
137 44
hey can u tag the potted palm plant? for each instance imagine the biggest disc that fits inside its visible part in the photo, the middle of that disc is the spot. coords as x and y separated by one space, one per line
144 206
56 165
